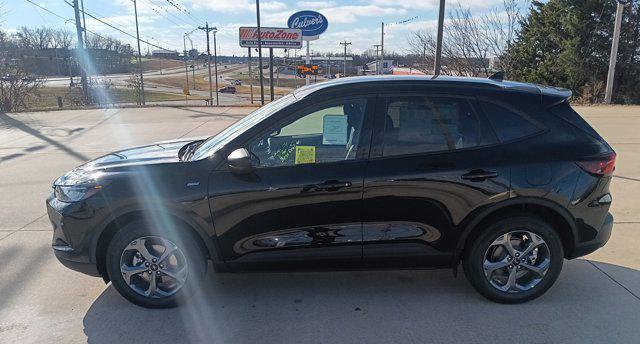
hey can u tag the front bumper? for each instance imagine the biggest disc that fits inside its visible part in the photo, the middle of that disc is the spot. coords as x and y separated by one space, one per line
604 233
71 242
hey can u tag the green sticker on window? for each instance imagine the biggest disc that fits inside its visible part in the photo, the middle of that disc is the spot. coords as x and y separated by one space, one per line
305 154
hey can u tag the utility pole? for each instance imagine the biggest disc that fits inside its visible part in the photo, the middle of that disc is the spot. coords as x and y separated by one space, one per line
84 25
260 53
82 55
382 49
438 63
135 10
86 39
208 29
215 63
345 43
614 50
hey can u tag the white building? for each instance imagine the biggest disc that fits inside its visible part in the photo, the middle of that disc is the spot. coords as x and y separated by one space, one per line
372 67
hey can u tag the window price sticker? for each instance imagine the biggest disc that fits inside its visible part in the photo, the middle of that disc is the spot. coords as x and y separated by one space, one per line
334 130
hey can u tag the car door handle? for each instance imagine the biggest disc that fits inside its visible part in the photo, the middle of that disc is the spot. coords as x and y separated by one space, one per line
479 175
329 185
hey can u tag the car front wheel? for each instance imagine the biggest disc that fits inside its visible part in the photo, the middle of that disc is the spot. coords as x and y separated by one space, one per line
154 269
514 260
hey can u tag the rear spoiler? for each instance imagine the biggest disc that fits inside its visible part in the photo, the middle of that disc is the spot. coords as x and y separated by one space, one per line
553 95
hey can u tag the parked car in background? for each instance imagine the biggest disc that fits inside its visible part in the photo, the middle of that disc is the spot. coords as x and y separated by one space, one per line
503 178
237 82
227 89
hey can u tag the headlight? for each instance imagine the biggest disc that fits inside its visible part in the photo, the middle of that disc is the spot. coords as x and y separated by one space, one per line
75 193
77 185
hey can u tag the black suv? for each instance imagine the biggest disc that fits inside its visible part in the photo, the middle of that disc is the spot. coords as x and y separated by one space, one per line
365 172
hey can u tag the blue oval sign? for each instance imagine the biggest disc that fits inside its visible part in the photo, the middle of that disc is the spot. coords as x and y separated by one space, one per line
311 23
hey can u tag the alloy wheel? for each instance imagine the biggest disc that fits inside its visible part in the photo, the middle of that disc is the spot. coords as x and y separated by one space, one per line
516 261
153 266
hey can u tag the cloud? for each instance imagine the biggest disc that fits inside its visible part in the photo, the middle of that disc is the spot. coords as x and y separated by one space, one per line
316 5
413 5
236 6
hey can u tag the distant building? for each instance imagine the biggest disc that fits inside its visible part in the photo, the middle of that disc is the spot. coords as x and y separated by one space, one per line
372 67
327 64
407 71
165 54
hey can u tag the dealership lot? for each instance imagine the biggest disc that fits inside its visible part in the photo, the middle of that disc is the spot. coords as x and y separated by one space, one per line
596 299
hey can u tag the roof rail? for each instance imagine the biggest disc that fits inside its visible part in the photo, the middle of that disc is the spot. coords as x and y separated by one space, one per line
497 76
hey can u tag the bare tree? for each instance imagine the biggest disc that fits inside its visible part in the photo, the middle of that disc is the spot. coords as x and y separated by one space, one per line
62 38
16 87
470 41
501 28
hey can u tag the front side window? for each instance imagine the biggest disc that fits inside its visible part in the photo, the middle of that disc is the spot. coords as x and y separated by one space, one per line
326 133
420 124
214 143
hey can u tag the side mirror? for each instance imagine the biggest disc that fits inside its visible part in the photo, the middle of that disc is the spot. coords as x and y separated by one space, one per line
239 161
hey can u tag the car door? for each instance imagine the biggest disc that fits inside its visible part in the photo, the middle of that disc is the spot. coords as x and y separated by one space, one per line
434 160
301 203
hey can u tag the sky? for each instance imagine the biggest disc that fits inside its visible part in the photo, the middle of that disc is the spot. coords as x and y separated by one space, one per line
163 24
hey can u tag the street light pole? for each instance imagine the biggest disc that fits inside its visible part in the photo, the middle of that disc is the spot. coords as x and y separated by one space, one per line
135 10
193 66
250 76
377 46
260 53
184 57
215 62
382 49
614 51
437 64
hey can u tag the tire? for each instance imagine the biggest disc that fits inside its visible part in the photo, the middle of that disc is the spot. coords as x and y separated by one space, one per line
489 249
177 276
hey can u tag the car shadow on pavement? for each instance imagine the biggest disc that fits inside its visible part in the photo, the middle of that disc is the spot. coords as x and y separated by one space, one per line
367 306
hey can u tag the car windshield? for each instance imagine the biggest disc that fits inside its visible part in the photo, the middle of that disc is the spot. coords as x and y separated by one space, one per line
214 143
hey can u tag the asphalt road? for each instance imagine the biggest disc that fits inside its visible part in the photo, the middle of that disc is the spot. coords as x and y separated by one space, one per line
596 299
152 78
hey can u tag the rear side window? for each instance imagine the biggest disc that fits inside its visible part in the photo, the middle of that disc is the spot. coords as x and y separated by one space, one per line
565 112
419 124
507 124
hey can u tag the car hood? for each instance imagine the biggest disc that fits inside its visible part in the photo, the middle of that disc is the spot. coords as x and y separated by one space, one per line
156 153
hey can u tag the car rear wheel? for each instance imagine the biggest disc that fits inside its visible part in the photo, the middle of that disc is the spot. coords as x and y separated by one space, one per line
154 269
514 260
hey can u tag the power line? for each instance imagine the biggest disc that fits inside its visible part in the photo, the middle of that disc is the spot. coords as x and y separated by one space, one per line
183 9
63 18
47 10
117 28
166 17
168 14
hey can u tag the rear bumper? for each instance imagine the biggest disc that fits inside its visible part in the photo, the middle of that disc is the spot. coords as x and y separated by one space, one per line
604 233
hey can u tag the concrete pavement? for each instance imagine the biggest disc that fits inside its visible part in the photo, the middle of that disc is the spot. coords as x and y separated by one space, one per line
596 299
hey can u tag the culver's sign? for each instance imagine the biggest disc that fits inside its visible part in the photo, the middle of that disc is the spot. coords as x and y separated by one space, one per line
311 23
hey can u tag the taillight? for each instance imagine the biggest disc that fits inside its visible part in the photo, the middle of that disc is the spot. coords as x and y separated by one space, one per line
602 166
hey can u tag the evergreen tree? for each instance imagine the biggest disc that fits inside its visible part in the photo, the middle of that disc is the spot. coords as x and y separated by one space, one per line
567 43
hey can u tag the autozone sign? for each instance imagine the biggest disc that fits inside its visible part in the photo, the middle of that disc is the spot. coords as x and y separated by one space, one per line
271 37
